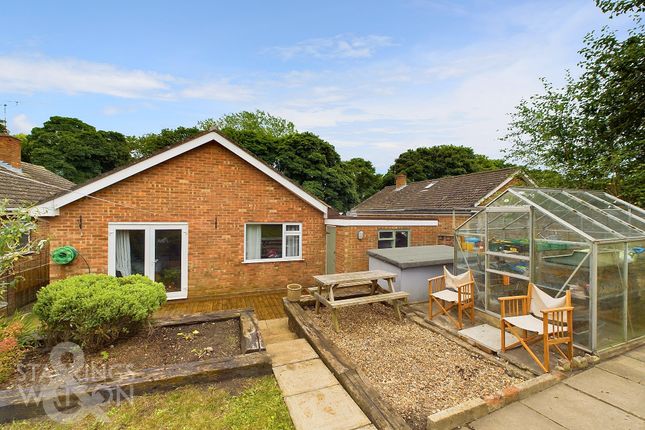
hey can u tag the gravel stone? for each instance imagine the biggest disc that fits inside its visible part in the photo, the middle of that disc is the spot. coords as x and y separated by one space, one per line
417 371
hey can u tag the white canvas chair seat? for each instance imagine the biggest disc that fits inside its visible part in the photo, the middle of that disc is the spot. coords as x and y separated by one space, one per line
527 314
452 291
446 295
530 323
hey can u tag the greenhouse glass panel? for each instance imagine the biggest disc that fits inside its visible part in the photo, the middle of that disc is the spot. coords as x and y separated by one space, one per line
476 224
568 216
611 209
507 199
469 255
508 232
611 295
636 288
501 286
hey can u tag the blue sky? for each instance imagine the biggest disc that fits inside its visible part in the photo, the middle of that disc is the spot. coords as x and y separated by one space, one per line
374 78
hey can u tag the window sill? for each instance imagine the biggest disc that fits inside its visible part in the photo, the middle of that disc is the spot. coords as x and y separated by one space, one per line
272 260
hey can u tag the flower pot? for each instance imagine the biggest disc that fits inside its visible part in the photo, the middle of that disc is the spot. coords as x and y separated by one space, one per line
294 291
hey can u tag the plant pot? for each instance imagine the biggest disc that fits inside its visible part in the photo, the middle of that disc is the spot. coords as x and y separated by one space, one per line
294 291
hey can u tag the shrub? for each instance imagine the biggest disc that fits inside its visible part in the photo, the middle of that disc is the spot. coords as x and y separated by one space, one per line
95 310
11 351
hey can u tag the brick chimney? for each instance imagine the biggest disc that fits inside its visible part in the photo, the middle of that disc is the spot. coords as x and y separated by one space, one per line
401 180
10 150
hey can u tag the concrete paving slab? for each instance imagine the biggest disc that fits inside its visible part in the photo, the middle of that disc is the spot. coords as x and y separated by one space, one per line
513 417
578 411
290 351
620 392
329 408
627 367
277 338
488 336
637 354
278 324
296 378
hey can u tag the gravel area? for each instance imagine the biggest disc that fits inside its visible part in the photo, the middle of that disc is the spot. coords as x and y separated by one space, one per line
417 371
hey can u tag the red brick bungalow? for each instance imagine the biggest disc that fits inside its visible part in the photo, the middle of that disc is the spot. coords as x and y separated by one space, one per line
205 217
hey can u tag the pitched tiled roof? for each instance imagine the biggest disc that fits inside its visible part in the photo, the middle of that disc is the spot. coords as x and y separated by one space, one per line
30 184
447 193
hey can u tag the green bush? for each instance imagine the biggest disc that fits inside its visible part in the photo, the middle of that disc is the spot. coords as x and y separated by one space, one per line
95 310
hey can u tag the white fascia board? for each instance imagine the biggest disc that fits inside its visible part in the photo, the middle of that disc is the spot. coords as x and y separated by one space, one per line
381 222
50 208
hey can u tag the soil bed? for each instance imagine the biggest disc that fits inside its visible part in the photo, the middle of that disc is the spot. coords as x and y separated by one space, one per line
158 347
417 371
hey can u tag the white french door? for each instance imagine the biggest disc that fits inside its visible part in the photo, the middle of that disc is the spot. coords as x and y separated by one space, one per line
156 250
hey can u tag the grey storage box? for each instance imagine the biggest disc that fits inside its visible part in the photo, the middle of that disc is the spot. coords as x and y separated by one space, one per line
413 266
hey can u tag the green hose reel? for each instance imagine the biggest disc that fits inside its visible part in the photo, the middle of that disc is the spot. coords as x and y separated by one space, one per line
64 255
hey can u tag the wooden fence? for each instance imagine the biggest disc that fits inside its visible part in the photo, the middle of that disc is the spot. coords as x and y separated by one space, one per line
30 274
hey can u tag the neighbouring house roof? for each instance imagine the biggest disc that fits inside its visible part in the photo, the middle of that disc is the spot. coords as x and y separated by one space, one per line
50 205
461 193
29 184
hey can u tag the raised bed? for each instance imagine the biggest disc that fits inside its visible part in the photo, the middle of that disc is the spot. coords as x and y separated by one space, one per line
369 385
248 358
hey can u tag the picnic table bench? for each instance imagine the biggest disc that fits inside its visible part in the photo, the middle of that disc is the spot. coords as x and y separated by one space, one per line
326 284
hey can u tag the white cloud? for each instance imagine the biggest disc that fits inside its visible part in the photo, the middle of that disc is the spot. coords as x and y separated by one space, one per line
71 76
35 74
339 46
21 124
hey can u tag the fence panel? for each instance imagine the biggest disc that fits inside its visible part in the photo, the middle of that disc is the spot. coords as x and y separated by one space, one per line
31 273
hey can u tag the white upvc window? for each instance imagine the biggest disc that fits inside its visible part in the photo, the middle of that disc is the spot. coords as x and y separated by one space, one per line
266 242
393 239
156 250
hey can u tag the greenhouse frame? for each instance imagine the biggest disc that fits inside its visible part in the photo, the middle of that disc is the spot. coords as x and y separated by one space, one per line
588 242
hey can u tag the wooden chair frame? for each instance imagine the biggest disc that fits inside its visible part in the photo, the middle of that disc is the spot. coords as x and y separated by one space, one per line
465 299
560 319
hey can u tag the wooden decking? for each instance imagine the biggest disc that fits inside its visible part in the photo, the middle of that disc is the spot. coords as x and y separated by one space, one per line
266 305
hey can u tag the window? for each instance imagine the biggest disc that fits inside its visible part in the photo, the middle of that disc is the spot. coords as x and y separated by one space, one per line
158 251
393 239
273 242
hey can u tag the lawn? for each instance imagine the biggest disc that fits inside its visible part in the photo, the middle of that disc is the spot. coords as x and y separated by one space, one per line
252 404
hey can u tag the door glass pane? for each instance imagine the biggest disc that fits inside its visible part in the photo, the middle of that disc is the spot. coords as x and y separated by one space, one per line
636 291
130 252
168 259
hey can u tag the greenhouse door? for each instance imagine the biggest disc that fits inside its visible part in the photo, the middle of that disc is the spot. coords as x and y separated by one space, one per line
507 253
158 251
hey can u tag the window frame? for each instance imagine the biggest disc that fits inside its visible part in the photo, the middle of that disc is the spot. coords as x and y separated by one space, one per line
393 238
285 233
149 258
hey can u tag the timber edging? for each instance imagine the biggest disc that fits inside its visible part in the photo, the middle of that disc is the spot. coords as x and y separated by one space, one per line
382 415
30 401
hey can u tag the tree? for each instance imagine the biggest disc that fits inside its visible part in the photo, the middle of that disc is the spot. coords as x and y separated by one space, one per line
364 175
258 121
438 161
3 127
147 144
15 226
75 150
592 130
314 163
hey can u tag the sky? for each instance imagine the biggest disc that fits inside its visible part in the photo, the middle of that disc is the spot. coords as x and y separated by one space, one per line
373 78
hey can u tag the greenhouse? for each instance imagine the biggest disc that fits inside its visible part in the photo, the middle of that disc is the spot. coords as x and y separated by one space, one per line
588 242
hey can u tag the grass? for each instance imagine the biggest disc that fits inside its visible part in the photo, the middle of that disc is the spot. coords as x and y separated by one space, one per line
259 405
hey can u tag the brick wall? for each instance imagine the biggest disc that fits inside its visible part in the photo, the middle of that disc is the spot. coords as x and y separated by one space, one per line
351 253
216 193
10 150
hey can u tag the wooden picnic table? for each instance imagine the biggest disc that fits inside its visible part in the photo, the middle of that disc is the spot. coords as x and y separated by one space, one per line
326 284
